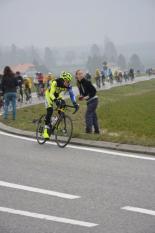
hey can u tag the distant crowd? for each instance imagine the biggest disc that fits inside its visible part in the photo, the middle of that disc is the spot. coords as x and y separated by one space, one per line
109 75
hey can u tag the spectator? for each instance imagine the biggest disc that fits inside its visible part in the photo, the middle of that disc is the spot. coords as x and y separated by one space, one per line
20 82
125 76
9 84
88 76
131 74
88 92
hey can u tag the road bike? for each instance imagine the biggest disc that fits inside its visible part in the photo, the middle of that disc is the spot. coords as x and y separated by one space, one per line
61 127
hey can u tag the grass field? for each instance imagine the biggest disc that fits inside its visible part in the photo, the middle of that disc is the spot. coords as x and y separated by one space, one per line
126 115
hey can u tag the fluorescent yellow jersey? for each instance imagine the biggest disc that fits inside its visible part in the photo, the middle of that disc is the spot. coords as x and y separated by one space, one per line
54 91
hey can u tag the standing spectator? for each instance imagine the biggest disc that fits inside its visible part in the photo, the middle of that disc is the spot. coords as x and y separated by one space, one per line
131 74
125 76
88 76
9 84
20 82
98 78
88 92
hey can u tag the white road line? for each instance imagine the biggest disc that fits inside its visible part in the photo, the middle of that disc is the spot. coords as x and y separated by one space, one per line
47 217
84 148
37 190
139 210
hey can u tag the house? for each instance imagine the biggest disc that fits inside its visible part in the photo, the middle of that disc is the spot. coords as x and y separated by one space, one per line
28 69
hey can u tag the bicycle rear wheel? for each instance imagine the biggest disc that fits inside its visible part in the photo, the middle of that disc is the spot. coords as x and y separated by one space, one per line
40 130
63 131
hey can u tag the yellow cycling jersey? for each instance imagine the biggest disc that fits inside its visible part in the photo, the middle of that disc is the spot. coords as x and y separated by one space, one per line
28 83
55 89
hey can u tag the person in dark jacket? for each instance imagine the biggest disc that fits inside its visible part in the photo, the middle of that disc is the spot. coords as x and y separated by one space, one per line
88 92
88 76
9 84
20 82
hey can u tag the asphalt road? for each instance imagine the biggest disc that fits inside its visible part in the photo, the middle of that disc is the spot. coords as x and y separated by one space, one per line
99 183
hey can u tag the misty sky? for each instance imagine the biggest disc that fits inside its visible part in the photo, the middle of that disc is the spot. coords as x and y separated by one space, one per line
76 22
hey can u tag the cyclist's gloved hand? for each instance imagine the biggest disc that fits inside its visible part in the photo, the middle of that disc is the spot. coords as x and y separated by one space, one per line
60 103
57 102
76 106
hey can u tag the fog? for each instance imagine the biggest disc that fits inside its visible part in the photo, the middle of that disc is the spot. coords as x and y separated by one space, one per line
76 23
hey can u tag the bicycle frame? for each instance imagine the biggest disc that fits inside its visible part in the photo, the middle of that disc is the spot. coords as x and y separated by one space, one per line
61 112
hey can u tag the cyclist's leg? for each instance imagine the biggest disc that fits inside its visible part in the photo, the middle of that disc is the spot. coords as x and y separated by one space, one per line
29 91
48 116
21 92
49 108
26 93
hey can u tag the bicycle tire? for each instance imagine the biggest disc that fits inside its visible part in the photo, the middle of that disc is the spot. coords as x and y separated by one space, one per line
40 129
60 131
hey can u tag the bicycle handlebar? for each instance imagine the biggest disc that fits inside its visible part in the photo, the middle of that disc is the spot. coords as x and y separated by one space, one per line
68 106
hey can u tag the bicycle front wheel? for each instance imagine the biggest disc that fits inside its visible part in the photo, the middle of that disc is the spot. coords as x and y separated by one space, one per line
40 130
63 131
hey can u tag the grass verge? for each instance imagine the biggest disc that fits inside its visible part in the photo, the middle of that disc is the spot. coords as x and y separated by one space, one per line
126 115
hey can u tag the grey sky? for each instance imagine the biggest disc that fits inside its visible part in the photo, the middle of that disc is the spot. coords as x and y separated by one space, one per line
76 22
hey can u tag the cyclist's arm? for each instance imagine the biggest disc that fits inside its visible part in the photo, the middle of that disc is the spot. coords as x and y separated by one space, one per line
72 96
52 90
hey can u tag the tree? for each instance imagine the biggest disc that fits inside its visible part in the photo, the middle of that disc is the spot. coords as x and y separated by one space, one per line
95 51
49 58
110 51
136 63
70 57
13 58
93 63
95 59
34 55
121 62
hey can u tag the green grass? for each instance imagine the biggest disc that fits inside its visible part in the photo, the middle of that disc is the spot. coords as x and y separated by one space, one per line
126 115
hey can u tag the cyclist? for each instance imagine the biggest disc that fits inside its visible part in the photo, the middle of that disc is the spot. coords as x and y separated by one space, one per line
98 78
27 87
50 77
53 94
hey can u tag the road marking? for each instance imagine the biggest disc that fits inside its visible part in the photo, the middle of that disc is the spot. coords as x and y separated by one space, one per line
91 149
47 217
139 210
38 190
105 151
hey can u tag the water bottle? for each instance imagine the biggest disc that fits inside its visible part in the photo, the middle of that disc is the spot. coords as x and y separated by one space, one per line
54 120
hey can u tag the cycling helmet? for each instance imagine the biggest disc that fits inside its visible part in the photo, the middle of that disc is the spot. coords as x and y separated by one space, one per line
66 76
